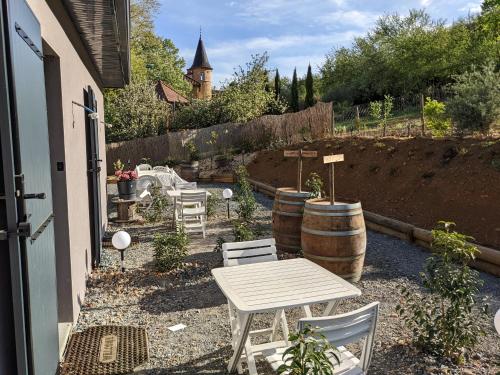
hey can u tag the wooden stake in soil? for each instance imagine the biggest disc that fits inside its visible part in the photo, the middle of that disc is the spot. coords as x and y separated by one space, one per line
299 154
332 159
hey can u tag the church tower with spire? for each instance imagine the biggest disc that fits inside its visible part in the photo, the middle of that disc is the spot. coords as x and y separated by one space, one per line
200 73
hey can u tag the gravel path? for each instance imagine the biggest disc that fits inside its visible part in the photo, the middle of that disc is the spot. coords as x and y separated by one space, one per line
142 297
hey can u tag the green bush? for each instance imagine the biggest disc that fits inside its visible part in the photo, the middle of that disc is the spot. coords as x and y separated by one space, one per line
436 118
170 250
445 321
315 185
242 231
158 207
475 101
310 354
218 244
247 204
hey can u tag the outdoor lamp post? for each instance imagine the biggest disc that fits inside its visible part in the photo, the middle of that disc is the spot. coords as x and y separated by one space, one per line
227 194
121 240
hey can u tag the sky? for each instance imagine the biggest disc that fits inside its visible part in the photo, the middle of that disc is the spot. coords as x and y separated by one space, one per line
293 32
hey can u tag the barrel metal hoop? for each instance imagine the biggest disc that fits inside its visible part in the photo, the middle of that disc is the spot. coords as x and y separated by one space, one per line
331 233
319 257
348 213
287 213
303 194
336 207
293 203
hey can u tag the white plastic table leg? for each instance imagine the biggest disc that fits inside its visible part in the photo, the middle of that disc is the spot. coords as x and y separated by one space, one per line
330 308
244 322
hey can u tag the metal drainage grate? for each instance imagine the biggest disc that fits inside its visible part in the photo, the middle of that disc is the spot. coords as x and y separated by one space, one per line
106 350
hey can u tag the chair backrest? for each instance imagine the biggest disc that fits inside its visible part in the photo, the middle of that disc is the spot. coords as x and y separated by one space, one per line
193 197
144 167
185 185
246 252
161 168
350 327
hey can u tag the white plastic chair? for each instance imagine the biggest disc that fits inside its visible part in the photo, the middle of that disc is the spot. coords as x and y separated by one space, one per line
144 186
144 167
340 330
248 252
193 211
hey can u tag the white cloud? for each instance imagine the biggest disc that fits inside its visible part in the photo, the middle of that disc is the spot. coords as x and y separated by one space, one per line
425 3
471 7
351 18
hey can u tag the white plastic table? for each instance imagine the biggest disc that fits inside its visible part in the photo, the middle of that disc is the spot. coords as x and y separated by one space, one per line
270 286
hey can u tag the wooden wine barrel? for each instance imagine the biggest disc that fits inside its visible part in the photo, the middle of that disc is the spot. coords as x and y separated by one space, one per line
287 218
334 236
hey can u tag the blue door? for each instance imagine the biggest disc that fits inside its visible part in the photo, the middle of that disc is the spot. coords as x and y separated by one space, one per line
33 188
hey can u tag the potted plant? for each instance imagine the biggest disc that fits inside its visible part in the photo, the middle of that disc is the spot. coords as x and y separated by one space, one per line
190 170
127 180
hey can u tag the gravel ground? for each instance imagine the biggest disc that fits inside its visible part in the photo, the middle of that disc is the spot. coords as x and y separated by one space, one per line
142 297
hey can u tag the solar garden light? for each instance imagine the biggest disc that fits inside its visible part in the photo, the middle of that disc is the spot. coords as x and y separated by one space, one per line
497 321
121 240
227 194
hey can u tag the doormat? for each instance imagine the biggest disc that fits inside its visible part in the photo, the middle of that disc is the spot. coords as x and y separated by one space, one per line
106 350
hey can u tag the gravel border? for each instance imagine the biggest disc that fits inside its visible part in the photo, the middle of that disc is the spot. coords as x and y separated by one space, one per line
143 297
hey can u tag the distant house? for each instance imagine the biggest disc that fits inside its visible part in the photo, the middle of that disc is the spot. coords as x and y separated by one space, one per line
56 58
172 97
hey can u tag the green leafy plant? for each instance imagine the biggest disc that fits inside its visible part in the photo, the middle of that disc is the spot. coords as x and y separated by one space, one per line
158 207
212 201
218 244
247 204
310 354
315 185
445 321
170 250
212 142
242 231
194 154
118 165
436 118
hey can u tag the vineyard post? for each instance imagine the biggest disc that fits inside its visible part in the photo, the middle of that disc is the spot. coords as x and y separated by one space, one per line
422 120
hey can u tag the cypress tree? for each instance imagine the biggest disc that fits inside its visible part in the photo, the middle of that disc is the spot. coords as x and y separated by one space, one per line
277 85
294 101
309 99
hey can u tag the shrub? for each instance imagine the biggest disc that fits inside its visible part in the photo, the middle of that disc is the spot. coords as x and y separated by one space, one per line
242 231
435 117
445 321
315 185
170 250
158 207
310 353
475 101
244 196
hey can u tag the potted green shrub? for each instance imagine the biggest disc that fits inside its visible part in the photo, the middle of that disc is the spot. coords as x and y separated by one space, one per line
127 180
190 169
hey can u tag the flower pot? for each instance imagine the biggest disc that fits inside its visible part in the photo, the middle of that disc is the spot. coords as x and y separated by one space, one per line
126 189
190 171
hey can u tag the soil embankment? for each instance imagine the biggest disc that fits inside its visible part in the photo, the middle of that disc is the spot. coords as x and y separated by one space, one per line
419 180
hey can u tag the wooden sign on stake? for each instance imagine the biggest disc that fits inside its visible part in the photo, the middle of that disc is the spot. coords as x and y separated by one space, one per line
332 159
299 154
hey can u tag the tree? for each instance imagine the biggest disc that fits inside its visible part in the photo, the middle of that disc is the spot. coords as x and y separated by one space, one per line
135 112
294 100
309 99
475 101
277 85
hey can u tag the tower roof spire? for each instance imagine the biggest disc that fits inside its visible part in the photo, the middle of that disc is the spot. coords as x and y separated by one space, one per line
200 57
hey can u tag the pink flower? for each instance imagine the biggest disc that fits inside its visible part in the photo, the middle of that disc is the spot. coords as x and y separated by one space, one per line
118 173
124 177
133 175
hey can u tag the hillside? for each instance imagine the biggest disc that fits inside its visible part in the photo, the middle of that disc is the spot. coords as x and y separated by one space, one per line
416 180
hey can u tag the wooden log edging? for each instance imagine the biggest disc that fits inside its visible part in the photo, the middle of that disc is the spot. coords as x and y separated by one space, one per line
488 259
